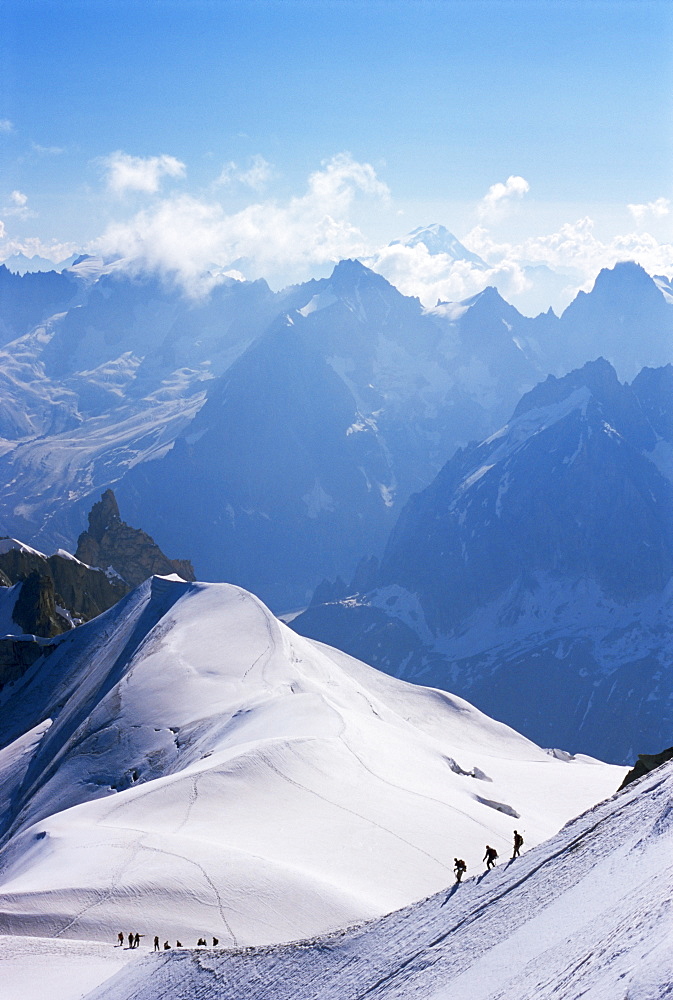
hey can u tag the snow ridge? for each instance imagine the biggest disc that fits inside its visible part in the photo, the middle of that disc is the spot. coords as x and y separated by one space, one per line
208 771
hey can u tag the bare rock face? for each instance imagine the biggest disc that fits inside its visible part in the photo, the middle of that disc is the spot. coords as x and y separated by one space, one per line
111 544
60 591
67 583
35 609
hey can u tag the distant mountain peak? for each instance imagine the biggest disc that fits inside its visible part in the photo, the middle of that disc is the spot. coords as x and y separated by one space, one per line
620 282
438 240
624 268
352 268
19 263
350 273
598 376
490 294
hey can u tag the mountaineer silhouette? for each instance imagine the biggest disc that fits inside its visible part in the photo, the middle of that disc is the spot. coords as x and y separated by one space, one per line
489 857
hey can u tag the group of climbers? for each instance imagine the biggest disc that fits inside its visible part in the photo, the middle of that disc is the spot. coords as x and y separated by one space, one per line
134 942
133 939
459 868
490 857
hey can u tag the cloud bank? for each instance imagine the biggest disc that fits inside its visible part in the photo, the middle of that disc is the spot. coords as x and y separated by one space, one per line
532 274
182 236
194 239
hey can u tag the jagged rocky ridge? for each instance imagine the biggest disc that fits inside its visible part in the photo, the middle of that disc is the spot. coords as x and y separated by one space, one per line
130 553
110 378
49 583
536 570
646 762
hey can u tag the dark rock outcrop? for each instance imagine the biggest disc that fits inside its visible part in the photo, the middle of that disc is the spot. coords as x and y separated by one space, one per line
84 592
646 762
111 544
60 591
35 609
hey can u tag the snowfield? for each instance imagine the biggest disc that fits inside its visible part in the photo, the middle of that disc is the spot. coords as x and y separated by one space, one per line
185 765
70 968
587 914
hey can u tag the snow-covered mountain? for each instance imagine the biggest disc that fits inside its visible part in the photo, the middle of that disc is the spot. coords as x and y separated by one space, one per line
438 240
98 373
586 914
186 765
113 378
537 570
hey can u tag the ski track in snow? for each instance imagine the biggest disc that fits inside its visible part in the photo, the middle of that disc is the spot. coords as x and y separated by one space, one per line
408 791
353 812
207 879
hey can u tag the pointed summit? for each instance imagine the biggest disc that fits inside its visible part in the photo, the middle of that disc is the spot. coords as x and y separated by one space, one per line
104 516
350 272
598 376
438 240
130 553
625 317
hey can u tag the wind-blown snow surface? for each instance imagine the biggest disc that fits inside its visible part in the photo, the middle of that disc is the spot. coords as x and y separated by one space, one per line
587 914
208 771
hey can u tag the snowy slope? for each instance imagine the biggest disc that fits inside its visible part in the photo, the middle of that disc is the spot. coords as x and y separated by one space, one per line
587 914
208 771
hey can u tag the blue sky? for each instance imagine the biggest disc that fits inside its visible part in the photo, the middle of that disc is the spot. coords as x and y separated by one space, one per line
442 99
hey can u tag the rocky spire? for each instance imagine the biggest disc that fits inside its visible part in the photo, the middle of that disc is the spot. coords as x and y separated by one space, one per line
130 553
104 516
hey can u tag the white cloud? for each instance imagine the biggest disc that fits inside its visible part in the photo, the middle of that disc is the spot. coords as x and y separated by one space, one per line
283 241
499 198
656 209
433 277
576 248
257 175
137 173
17 205
531 274
6 125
